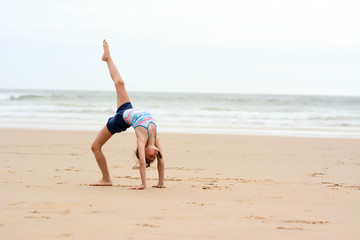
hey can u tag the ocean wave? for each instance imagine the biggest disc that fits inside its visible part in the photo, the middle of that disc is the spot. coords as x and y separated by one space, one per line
202 111
56 109
336 118
58 96
215 109
28 96
17 96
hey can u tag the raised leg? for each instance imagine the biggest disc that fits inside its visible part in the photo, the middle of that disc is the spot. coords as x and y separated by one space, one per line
122 96
99 141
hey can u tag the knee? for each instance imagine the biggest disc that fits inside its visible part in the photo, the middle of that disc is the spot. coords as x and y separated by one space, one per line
95 148
119 82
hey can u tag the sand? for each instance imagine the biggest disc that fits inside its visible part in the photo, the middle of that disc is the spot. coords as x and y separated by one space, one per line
218 187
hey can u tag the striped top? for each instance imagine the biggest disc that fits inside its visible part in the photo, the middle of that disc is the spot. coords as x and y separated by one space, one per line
138 118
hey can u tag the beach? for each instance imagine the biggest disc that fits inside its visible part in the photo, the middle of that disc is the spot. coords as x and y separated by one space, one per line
253 107
218 187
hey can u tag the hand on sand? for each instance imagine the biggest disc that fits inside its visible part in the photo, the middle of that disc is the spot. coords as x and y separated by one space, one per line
159 186
106 54
102 182
138 187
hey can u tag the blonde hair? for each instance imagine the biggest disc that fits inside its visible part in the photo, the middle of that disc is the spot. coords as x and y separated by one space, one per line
147 163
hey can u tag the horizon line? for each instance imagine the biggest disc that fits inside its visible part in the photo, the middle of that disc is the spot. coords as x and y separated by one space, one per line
194 92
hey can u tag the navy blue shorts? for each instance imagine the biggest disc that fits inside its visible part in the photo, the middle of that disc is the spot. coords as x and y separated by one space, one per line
116 123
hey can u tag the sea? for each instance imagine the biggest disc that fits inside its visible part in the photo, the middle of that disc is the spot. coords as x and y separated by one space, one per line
199 113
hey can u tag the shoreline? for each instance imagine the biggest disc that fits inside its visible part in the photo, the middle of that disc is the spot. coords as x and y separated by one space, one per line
259 133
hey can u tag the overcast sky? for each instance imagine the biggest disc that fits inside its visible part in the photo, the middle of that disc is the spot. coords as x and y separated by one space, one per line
244 46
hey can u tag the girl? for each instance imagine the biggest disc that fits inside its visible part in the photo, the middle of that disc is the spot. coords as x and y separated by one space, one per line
148 146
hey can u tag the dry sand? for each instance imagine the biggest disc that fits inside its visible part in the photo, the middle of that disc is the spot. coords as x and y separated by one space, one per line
219 187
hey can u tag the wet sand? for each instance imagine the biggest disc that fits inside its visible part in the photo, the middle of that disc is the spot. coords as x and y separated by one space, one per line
218 187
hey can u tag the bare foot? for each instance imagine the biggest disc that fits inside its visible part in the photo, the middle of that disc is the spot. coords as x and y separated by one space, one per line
102 182
106 54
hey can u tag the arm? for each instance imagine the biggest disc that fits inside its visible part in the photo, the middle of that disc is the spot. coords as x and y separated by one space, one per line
160 165
142 162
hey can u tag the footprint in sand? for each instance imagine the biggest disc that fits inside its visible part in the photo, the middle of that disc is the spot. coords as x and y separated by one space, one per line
173 179
199 204
124 186
289 228
306 221
66 212
257 218
95 211
146 225
128 177
337 186
195 203
34 211
65 235
211 187
43 217
69 169
316 174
